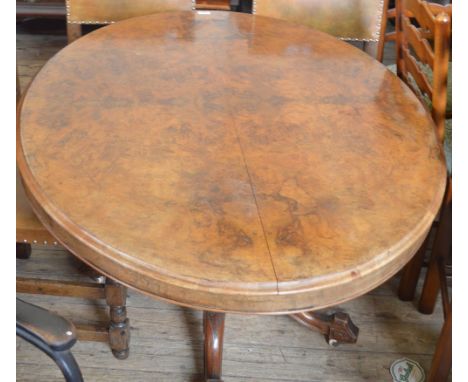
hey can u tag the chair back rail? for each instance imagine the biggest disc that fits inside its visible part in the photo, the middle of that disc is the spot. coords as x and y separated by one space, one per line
349 20
434 8
425 42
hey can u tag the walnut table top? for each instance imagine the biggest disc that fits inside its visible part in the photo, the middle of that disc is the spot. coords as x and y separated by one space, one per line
229 162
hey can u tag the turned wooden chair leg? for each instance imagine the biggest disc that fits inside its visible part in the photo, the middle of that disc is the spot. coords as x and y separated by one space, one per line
440 252
213 327
337 328
119 326
410 274
431 288
442 360
23 250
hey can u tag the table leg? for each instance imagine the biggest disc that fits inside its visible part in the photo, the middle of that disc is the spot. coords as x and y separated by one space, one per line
440 253
337 328
411 273
213 327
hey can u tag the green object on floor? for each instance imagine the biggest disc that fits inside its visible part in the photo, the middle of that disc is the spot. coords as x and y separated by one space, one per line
407 370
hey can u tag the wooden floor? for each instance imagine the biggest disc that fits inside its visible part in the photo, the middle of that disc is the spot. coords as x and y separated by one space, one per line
167 341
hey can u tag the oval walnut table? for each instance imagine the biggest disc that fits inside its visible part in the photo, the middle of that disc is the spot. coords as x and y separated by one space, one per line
230 163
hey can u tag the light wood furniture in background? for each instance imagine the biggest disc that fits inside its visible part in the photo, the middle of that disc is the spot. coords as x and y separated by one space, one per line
434 25
423 63
350 20
391 14
299 214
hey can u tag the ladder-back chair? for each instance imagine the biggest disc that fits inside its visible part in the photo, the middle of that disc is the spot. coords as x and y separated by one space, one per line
423 63
423 32
349 20
423 54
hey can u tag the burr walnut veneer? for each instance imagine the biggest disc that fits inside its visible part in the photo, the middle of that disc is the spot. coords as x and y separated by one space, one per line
230 163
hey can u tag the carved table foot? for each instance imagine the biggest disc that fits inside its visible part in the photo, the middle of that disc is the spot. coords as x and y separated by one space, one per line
119 327
337 328
213 327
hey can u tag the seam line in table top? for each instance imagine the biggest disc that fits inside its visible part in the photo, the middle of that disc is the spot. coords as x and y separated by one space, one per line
252 188
256 204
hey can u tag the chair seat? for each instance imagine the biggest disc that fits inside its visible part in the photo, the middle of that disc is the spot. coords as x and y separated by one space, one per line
428 72
28 227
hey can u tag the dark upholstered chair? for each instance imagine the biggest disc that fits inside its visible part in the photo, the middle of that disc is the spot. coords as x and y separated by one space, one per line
50 333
